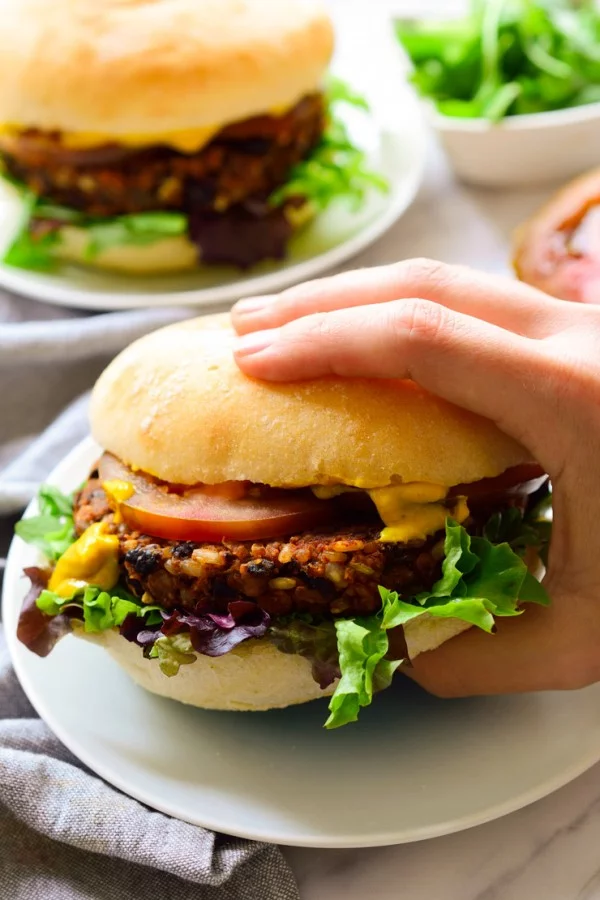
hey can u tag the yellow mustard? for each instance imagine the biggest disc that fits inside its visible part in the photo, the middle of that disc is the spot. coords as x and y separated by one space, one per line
92 559
415 510
410 511
118 491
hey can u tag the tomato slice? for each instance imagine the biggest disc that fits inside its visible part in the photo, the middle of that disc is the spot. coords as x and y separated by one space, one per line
517 482
234 510
239 510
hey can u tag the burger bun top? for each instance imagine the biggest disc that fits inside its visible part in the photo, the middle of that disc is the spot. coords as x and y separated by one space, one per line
176 405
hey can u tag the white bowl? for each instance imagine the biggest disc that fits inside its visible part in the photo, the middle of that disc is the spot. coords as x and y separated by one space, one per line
522 150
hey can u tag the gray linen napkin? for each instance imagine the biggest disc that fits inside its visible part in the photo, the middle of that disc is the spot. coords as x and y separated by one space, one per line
65 834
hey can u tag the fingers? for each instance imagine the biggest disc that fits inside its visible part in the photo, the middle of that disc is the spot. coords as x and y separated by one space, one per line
511 305
469 362
543 649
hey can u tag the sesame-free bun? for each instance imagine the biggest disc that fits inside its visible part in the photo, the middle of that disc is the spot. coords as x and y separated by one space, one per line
255 675
175 404
151 67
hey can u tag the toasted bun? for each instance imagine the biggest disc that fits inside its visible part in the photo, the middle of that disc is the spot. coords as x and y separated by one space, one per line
255 676
137 67
175 404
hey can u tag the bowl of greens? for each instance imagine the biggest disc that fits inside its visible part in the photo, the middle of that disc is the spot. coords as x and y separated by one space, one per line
513 88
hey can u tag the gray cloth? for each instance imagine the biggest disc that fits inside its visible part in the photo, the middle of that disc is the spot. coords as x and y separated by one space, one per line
65 834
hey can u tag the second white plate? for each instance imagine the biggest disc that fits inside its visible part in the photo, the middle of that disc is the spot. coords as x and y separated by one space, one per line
393 138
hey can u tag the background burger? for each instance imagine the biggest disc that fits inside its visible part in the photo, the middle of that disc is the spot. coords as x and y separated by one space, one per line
244 545
145 137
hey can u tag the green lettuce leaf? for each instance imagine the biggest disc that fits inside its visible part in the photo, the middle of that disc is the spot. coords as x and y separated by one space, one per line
52 531
522 532
479 581
101 609
362 645
137 228
172 653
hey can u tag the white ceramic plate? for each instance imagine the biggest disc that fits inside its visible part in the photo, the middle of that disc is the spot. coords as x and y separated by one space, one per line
413 768
393 136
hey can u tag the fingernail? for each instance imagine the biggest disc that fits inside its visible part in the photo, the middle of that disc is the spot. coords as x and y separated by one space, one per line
252 305
249 344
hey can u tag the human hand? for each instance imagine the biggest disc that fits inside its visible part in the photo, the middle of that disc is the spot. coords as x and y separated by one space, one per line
500 349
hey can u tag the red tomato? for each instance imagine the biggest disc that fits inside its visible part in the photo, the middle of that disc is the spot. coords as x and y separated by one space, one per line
234 510
520 481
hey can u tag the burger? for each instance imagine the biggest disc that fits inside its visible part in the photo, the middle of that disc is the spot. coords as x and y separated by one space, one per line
241 545
558 249
147 137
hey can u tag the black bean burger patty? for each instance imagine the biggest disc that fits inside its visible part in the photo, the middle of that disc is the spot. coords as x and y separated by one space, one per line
244 160
332 573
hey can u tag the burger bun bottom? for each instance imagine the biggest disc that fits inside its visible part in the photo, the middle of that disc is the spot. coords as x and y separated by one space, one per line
171 254
255 675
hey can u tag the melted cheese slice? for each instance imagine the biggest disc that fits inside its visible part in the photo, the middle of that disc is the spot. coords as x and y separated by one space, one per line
187 140
410 512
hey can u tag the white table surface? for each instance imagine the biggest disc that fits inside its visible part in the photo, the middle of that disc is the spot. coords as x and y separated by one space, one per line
550 850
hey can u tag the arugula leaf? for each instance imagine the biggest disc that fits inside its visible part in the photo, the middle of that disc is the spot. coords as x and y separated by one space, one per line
362 645
27 250
52 501
339 91
335 168
52 531
507 57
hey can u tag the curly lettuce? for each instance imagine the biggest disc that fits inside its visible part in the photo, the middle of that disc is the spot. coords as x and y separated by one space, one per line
98 609
479 582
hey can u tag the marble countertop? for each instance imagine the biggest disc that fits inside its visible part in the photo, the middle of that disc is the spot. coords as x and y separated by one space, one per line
551 849
547 851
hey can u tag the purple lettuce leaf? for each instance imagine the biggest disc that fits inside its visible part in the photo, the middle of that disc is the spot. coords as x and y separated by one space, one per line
215 635
210 634
37 631
242 236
